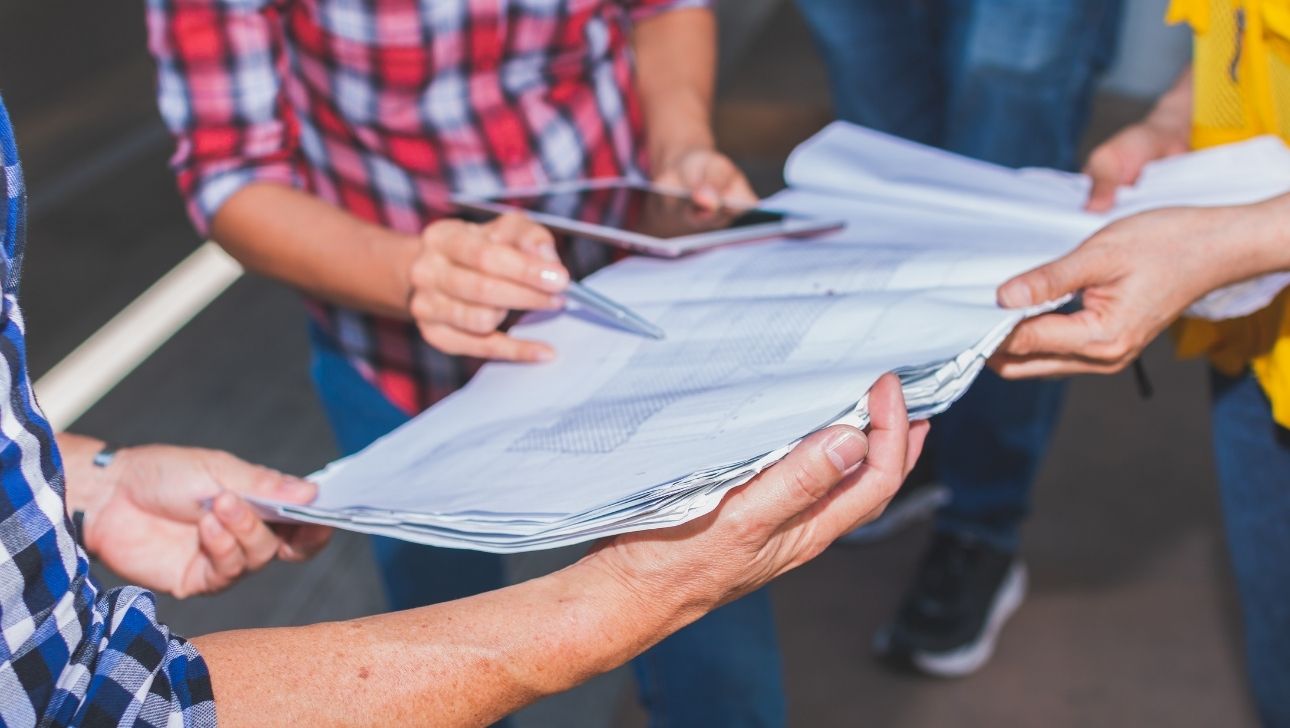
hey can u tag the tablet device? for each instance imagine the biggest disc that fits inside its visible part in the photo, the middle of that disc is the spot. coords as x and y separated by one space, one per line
645 218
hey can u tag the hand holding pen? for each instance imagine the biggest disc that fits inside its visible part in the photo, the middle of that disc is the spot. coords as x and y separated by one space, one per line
467 277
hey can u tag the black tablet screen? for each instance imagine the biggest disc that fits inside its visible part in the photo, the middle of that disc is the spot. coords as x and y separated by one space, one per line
641 210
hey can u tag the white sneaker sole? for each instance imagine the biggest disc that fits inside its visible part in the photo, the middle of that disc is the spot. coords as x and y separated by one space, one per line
970 658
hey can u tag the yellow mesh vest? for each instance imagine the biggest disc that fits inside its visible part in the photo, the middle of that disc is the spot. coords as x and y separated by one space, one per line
1241 77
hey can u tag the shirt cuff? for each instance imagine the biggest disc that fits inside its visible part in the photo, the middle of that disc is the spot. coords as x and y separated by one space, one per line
214 188
646 9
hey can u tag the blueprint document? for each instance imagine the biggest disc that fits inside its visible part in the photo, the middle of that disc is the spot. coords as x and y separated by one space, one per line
765 343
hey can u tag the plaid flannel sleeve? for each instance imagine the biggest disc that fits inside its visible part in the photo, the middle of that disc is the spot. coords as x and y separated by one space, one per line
640 10
71 655
219 84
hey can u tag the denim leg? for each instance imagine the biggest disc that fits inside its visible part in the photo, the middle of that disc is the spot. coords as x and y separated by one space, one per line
881 62
723 671
1253 457
1021 75
987 449
413 575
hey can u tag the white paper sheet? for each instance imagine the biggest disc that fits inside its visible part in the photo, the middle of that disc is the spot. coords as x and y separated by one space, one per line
766 343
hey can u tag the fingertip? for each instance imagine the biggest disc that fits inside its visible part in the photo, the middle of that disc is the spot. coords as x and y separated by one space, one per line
213 533
229 509
918 431
296 490
539 353
553 278
1100 202
890 394
304 542
887 410
706 197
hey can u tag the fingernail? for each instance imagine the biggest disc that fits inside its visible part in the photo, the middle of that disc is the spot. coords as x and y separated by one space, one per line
1015 294
557 302
543 355
846 449
554 278
294 489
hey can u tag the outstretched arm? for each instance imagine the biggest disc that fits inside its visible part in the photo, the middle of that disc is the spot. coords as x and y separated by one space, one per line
1137 275
472 661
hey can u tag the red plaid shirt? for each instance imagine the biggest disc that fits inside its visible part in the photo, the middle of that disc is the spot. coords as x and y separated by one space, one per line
385 107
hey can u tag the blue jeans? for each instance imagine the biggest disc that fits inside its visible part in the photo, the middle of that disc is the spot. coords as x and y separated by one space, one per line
723 670
1253 457
1007 81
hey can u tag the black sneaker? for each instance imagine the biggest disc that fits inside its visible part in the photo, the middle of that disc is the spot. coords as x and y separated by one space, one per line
964 592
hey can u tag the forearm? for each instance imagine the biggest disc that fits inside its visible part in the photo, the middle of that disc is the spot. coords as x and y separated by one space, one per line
1254 239
1208 248
297 238
675 73
467 662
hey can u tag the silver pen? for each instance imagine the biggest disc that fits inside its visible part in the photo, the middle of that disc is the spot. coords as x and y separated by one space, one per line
612 310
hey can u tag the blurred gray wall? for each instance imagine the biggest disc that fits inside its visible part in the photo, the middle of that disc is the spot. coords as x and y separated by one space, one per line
1151 53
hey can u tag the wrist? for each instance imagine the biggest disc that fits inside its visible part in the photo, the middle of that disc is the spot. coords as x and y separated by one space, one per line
1237 243
668 143
399 252
1172 131
93 473
1171 117
660 598
1269 236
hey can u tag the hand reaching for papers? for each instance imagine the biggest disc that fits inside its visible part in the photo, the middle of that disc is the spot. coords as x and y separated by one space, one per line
709 176
1137 276
468 277
1165 132
145 516
832 482
1119 161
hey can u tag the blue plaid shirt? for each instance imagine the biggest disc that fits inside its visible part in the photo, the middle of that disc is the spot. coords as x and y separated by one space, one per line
70 654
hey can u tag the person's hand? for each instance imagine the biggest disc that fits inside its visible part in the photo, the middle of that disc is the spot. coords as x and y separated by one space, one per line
468 277
1119 160
709 176
830 483
1137 275
151 527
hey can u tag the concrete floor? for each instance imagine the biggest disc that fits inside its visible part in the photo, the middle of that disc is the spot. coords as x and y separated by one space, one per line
1130 619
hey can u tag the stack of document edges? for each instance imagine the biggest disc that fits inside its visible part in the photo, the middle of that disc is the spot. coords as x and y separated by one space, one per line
766 343
929 390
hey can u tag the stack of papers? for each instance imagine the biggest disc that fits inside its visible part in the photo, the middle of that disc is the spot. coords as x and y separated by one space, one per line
765 344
